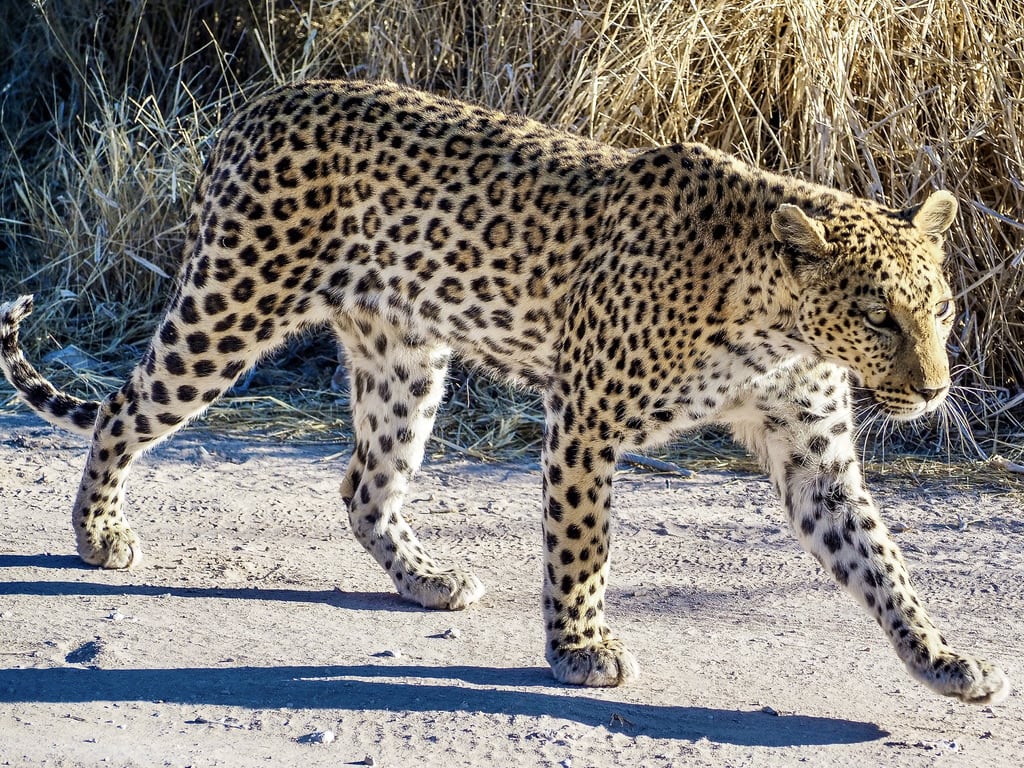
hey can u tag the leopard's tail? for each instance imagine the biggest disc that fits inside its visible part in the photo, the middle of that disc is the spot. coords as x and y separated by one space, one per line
58 408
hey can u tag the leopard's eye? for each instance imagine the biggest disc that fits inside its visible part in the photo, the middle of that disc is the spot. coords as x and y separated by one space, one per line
879 317
944 309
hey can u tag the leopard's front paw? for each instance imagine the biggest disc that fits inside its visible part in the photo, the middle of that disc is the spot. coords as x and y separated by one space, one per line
113 547
601 664
449 590
971 680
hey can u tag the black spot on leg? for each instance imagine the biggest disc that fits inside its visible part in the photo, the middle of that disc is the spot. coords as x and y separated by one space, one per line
572 495
230 344
160 394
169 334
566 584
214 304
204 368
189 311
554 510
187 393
818 445
232 370
842 575
555 474
833 540
244 290
174 364
572 452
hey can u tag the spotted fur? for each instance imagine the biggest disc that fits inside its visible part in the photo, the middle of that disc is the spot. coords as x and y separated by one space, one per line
642 293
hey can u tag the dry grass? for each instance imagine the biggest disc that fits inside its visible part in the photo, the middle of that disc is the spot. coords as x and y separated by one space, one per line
105 108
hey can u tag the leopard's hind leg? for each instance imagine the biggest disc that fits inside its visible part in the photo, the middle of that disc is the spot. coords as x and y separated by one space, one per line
396 387
198 352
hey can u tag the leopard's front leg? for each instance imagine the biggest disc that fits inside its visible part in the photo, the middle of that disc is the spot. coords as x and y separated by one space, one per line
802 430
578 471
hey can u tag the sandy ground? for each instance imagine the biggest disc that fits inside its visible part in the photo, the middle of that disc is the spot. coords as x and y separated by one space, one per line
257 632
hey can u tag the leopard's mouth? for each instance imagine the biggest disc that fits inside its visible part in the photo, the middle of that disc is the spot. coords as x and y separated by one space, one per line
902 410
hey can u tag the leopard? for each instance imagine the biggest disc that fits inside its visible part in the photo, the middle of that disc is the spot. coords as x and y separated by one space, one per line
643 293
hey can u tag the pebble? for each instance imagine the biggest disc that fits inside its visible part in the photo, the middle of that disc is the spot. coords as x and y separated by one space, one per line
317 737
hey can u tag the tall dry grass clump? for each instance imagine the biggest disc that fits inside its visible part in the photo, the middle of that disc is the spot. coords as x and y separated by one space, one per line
106 107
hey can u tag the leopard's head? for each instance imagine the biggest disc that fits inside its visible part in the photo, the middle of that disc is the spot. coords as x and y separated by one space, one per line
873 296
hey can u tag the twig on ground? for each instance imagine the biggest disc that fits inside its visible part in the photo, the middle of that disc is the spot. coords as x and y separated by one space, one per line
657 465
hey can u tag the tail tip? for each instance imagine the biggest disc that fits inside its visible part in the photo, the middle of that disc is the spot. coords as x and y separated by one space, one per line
13 312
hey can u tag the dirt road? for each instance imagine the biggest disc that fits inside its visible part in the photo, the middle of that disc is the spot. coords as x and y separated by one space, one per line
257 631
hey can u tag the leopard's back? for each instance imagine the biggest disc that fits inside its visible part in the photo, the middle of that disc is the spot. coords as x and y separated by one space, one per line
452 222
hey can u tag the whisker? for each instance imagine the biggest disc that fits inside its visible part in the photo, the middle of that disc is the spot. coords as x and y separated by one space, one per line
953 414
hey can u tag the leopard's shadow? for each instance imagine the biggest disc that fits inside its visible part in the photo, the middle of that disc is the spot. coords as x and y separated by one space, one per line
351 600
46 560
375 687
385 686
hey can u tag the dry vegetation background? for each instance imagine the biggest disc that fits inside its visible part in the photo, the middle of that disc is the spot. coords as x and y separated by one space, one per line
107 107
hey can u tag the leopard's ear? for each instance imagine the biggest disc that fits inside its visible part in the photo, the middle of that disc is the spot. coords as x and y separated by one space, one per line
935 215
802 236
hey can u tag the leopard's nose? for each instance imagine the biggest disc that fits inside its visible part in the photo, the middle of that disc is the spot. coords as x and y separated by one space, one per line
932 393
